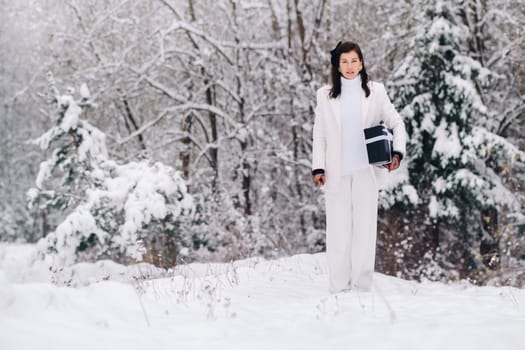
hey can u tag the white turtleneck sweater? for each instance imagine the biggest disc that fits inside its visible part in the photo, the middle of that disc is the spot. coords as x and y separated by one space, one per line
353 152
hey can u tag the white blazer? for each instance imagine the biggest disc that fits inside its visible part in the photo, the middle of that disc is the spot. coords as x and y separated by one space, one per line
326 153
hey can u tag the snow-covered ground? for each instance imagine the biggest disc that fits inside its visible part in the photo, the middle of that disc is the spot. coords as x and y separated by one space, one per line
249 304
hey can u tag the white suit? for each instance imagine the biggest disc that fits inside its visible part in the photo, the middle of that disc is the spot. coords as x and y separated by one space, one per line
351 201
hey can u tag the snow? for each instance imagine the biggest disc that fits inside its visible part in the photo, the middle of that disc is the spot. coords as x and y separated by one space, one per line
397 188
447 143
80 220
433 207
465 89
43 174
71 114
93 142
443 208
410 192
247 304
85 94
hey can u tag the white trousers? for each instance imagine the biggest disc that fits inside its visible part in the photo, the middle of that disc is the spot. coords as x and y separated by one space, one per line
351 231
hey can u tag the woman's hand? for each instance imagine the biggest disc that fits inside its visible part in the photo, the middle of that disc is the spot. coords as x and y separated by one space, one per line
319 179
394 165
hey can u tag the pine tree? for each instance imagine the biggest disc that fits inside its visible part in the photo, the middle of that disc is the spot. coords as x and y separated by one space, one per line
454 162
76 147
126 212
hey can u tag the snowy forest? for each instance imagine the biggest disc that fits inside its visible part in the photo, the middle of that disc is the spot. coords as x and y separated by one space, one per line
178 131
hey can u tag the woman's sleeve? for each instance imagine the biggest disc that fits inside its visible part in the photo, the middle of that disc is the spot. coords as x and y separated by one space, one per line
319 137
394 121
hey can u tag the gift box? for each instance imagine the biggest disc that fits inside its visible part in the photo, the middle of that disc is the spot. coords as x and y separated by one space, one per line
379 144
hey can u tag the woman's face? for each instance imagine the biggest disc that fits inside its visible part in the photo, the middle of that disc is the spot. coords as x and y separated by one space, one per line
350 65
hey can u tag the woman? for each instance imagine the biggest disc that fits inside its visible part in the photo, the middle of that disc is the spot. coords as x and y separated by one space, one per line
340 164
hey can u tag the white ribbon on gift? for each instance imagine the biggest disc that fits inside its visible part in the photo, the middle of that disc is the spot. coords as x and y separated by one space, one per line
388 137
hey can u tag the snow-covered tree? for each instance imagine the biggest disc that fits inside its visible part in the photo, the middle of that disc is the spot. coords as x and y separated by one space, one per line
496 40
126 212
456 164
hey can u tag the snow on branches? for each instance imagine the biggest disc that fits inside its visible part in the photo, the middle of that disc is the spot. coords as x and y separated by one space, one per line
126 212
455 161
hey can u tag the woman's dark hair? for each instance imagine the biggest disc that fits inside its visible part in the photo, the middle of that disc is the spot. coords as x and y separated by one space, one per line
347 46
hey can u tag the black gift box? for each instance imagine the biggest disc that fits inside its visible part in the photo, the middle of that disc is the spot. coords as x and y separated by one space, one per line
379 144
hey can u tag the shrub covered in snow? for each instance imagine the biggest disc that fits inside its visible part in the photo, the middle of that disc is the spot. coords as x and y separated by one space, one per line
126 212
